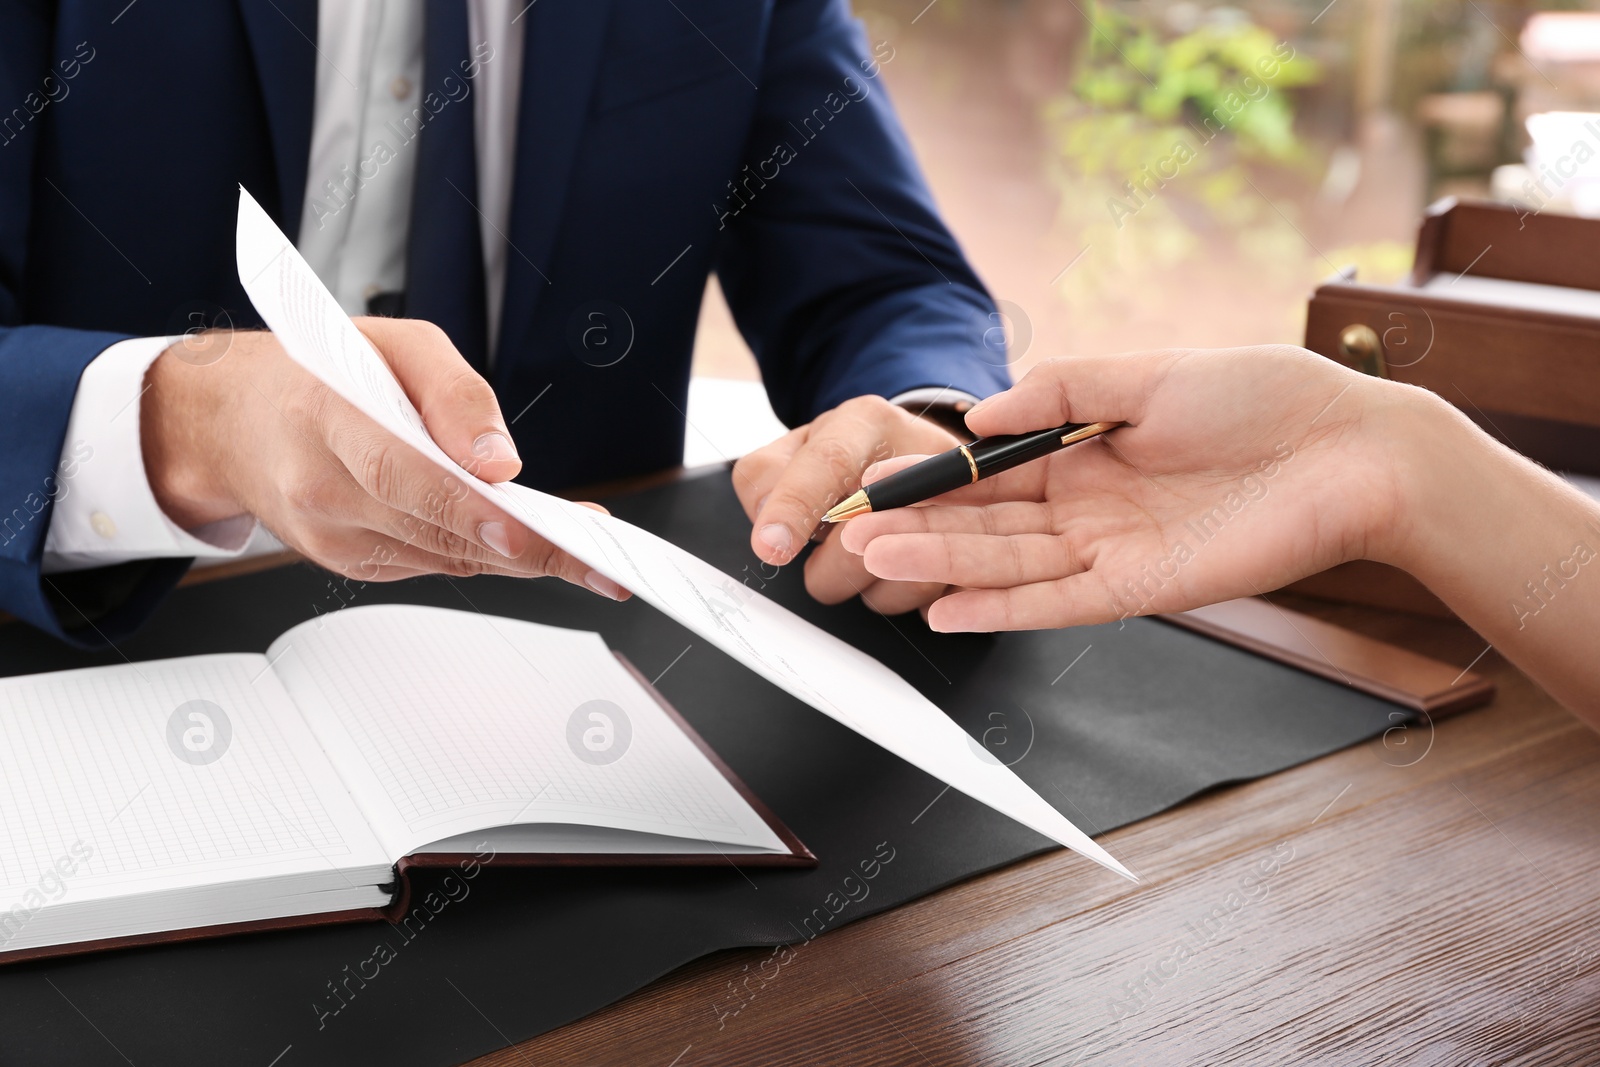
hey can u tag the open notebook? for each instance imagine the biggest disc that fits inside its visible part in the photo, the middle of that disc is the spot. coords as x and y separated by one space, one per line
166 799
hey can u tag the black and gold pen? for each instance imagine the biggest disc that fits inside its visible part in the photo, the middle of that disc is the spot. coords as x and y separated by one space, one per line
960 466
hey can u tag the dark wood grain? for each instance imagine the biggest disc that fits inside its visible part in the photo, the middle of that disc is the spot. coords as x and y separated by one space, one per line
1434 900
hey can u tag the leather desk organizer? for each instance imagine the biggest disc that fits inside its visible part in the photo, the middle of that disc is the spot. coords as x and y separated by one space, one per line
1522 361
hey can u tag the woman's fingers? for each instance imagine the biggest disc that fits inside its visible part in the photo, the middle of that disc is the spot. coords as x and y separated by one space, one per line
896 598
1076 600
978 561
834 575
1075 389
1009 517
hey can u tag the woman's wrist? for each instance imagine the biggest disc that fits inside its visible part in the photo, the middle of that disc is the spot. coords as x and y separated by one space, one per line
1473 515
1503 542
1438 462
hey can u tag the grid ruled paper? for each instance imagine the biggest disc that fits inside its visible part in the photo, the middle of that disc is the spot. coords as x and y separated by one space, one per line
87 764
445 722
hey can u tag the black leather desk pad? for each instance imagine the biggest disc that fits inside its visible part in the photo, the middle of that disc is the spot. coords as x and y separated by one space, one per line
1110 723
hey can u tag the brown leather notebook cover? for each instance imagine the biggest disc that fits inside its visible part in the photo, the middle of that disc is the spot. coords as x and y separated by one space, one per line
1425 685
800 856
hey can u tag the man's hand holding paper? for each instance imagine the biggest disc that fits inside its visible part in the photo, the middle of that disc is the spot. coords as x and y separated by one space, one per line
256 434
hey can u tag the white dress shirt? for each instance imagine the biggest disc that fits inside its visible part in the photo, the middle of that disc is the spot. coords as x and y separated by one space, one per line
353 232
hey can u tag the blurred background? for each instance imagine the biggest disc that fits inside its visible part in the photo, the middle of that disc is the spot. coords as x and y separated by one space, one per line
1343 119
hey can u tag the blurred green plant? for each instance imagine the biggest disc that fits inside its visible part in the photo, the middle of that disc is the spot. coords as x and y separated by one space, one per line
1171 127
1129 70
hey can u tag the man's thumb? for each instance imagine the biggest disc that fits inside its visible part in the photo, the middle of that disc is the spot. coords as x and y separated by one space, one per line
458 407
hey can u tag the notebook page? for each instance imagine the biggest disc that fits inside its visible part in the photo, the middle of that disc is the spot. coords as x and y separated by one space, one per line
816 667
448 722
94 777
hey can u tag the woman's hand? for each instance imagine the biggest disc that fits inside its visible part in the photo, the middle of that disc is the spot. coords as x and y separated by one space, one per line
1239 470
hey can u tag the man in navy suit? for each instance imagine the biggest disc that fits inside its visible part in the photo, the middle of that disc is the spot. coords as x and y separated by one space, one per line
526 198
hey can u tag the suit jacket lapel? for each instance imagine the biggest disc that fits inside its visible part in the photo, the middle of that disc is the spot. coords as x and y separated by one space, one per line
564 40
283 36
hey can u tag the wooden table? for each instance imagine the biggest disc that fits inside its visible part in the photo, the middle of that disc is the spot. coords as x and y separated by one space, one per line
1435 899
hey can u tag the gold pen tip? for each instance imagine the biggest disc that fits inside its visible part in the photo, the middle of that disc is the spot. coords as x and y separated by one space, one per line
848 508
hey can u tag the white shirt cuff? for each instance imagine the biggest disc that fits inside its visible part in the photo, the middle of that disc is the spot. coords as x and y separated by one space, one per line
104 510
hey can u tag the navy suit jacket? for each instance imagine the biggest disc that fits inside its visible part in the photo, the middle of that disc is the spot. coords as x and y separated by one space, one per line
754 137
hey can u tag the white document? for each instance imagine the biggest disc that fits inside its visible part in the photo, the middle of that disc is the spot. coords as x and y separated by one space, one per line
826 673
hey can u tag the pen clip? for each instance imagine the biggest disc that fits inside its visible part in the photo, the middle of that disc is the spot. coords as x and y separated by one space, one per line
1083 433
